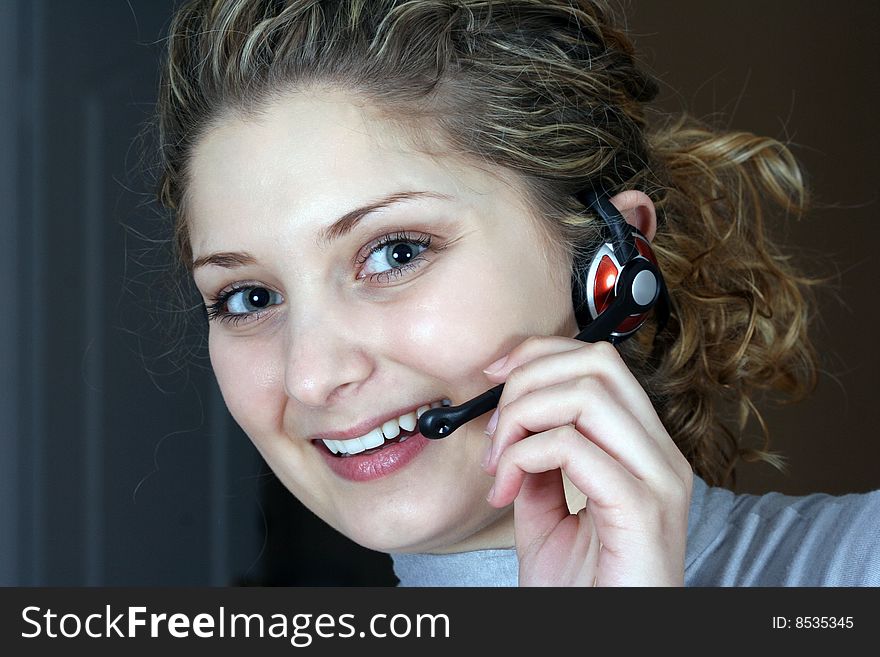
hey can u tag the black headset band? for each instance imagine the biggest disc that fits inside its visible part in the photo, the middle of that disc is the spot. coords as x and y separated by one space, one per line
619 232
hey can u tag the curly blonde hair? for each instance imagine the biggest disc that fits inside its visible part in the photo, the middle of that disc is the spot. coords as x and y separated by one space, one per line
551 90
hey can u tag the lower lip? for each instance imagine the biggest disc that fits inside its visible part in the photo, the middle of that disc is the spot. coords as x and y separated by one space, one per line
368 467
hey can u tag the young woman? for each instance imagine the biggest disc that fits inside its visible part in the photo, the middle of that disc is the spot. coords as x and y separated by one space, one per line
390 206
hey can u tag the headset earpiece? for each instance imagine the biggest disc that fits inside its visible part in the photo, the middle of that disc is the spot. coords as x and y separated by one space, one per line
596 284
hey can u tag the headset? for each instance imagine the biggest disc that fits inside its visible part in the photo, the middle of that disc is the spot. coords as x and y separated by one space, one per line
613 296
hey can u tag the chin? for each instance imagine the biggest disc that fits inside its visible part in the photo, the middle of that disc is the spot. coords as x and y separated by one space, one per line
437 529
412 529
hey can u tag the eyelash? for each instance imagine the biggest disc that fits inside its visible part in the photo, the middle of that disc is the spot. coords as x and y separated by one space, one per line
215 310
392 238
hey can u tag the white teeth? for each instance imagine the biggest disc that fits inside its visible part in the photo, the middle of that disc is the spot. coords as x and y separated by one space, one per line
408 421
388 431
371 440
391 429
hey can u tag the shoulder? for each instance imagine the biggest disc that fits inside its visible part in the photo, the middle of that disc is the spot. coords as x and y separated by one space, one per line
783 540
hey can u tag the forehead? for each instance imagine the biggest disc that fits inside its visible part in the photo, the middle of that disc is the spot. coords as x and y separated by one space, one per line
310 157
304 140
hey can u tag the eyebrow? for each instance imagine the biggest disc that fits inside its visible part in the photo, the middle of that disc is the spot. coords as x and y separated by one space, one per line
339 228
226 260
346 223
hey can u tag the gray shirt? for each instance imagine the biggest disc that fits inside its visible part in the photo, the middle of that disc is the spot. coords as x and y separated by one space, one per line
733 540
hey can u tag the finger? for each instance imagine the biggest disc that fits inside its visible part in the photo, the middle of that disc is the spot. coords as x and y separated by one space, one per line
539 506
529 349
542 361
603 479
597 416
625 512
566 546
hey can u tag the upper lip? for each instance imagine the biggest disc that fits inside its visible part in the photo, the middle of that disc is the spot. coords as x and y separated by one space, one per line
366 426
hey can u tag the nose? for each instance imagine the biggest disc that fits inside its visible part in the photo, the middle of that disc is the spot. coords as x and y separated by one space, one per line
323 361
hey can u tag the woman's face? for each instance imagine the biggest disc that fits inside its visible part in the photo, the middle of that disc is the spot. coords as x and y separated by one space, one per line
330 330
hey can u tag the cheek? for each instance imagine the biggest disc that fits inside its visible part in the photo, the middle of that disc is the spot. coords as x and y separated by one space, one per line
456 335
446 336
248 377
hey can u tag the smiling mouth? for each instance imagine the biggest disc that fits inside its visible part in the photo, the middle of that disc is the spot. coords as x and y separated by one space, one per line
396 430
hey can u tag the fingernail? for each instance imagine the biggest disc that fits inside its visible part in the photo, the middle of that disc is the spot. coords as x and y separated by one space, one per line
493 422
486 455
496 366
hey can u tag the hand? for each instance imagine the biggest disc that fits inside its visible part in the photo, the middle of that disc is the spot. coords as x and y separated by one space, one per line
575 408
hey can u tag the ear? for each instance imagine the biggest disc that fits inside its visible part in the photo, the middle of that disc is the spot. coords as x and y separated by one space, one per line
638 210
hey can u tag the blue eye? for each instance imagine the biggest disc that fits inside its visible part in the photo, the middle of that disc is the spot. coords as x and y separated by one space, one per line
251 300
393 255
237 304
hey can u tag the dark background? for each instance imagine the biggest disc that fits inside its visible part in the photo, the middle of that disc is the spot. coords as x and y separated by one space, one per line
119 467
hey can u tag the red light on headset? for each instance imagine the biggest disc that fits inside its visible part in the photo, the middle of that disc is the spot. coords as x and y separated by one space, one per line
603 278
